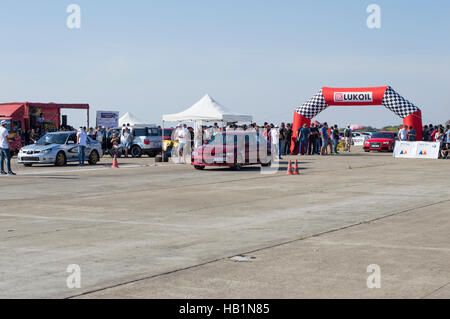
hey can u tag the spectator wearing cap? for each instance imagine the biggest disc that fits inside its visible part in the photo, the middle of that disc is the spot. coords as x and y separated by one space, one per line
5 153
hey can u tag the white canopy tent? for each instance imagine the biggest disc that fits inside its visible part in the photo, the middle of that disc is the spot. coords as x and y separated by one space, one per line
207 109
129 118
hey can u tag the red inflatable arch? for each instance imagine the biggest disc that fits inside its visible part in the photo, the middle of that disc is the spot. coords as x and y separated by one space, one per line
384 95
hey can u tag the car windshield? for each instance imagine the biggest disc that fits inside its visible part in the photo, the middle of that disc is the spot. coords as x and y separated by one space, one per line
52 139
230 139
383 135
220 140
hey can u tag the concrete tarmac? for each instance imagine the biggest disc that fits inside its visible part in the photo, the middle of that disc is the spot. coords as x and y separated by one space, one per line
162 230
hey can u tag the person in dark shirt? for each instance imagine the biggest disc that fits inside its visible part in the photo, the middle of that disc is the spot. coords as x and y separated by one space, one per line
312 140
335 139
287 144
282 138
411 134
302 139
425 133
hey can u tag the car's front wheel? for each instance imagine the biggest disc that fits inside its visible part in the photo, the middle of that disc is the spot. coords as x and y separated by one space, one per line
199 167
94 158
61 159
136 151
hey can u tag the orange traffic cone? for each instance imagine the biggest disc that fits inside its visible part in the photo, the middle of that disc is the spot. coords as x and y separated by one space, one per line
115 163
289 170
296 171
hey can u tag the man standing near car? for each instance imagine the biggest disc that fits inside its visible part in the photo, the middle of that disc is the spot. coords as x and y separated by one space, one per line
127 137
82 143
182 137
4 149
348 134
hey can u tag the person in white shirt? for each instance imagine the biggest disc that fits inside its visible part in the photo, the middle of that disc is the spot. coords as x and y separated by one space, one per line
275 140
4 149
207 134
403 134
182 137
82 143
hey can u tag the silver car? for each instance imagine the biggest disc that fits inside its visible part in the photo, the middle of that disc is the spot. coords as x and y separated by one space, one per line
146 139
59 149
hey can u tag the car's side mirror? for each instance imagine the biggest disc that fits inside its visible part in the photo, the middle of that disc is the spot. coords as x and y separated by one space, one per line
70 142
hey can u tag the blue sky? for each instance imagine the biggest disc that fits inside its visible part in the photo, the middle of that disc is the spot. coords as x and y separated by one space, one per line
257 57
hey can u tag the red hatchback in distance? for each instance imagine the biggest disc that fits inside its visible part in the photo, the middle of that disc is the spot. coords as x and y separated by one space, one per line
229 149
381 141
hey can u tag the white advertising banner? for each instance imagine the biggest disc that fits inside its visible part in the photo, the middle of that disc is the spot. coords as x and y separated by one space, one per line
427 150
107 119
405 149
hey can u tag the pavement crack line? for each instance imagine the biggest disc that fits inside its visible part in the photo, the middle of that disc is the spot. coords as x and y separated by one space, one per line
436 290
262 249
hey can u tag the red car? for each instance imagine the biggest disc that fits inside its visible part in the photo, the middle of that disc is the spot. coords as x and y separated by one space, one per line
231 150
381 141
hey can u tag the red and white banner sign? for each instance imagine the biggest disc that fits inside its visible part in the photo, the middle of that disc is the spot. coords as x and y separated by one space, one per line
354 96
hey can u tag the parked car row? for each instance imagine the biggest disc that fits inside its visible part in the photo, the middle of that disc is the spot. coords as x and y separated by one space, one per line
60 148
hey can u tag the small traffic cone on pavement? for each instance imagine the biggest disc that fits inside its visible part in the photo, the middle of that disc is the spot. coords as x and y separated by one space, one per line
115 163
296 171
289 170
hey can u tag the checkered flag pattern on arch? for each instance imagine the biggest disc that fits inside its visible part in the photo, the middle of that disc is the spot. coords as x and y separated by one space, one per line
398 104
313 106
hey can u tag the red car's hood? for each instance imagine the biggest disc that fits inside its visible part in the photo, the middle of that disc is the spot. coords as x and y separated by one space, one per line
379 140
206 149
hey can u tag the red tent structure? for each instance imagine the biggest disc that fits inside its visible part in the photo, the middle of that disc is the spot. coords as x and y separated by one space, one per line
23 116
384 95
27 113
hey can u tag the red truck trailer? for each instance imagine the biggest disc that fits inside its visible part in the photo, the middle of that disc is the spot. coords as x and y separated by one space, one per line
24 116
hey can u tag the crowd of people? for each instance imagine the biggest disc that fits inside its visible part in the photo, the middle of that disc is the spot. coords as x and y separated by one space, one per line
430 133
316 139
320 139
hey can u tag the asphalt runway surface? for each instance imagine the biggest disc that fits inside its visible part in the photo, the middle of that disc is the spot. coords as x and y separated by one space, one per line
162 230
